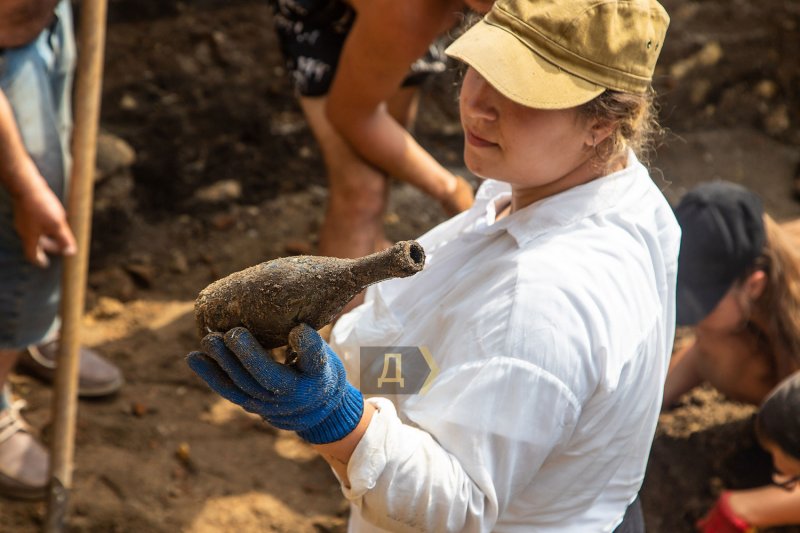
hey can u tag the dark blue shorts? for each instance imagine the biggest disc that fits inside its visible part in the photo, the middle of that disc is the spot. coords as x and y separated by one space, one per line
312 33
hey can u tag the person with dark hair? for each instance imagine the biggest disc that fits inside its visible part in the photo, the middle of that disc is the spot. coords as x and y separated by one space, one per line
548 306
778 432
739 287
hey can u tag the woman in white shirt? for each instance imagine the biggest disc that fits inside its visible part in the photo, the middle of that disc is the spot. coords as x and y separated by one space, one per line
548 307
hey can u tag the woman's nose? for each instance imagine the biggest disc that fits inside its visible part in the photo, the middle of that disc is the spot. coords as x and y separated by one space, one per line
478 97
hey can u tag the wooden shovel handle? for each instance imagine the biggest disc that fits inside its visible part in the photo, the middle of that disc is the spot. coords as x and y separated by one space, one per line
89 75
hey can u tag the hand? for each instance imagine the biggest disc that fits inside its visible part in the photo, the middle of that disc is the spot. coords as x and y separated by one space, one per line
41 223
460 199
310 396
722 518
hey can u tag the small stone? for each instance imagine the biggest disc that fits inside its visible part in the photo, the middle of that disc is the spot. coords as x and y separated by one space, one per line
218 37
221 191
710 54
766 89
128 102
113 155
183 452
139 409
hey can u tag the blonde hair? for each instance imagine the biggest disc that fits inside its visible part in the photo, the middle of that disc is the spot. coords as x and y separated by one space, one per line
780 302
636 117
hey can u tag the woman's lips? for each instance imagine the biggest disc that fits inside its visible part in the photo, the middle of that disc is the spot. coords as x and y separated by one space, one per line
479 142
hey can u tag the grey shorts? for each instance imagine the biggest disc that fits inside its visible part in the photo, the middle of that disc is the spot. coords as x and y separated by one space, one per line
36 79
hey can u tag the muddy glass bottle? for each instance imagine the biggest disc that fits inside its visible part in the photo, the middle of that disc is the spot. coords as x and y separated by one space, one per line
271 298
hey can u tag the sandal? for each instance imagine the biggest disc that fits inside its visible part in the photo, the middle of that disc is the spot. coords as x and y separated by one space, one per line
24 462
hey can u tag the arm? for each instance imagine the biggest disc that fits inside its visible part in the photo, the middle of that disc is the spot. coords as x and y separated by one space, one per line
39 217
463 457
457 471
386 38
338 454
767 506
683 375
740 511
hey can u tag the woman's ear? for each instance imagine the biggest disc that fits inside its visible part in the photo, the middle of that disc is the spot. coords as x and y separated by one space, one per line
599 131
602 129
755 284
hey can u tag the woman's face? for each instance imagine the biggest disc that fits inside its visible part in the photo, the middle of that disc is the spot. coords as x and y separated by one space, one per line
528 148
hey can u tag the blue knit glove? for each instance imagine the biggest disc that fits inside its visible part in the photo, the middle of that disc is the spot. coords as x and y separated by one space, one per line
310 396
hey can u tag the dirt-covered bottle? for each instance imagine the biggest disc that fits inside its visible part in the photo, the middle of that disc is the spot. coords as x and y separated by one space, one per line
273 297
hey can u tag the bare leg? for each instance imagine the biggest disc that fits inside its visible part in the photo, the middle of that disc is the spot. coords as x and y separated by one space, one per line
356 191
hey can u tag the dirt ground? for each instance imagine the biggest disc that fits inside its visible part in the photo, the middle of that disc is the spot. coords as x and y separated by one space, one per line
223 173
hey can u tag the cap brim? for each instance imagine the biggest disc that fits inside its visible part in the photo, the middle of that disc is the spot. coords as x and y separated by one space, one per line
693 304
518 72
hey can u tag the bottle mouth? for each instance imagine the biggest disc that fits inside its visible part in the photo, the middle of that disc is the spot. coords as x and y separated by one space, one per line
416 253
410 257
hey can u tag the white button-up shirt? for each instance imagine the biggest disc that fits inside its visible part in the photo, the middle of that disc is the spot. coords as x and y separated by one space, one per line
552 329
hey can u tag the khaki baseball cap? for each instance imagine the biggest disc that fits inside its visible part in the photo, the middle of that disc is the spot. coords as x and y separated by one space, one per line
556 54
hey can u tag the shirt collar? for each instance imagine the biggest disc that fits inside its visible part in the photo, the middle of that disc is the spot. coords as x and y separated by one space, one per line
556 211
